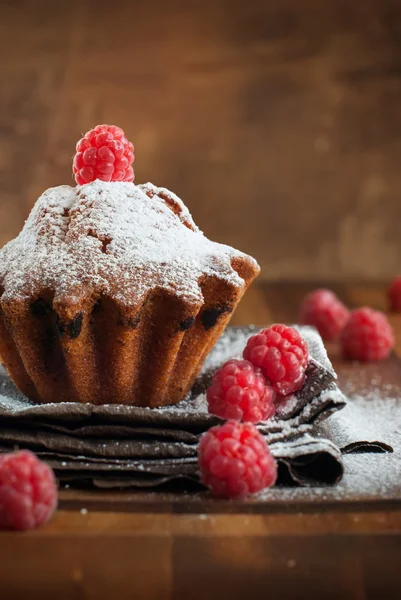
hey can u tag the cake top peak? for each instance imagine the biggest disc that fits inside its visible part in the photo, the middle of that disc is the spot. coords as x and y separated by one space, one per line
117 239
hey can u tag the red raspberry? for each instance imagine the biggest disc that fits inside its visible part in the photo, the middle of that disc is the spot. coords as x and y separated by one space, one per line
394 295
104 153
239 392
325 311
28 492
282 356
235 460
367 335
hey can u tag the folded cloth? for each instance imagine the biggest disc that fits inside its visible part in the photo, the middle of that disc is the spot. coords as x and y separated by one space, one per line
371 421
126 445
304 461
133 442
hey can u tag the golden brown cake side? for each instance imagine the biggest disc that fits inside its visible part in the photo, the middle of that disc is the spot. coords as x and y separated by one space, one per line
111 294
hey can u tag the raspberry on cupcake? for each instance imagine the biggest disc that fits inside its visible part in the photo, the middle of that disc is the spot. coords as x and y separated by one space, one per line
104 153
118 294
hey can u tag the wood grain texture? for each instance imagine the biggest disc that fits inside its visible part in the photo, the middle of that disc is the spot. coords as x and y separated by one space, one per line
277 122
170 546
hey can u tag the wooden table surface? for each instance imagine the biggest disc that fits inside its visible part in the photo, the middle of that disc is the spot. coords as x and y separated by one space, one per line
137 545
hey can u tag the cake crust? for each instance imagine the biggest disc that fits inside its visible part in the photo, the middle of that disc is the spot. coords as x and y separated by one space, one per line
111 294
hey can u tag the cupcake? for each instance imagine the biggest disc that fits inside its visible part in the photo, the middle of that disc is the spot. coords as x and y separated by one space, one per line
111 293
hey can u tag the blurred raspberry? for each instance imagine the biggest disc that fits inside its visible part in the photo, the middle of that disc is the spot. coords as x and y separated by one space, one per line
28 491
394 295
367 335
325 311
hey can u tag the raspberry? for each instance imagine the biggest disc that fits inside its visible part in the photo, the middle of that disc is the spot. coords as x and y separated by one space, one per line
367 335
394 294
28 492
104 153
325 311
239 392
235 460
282 356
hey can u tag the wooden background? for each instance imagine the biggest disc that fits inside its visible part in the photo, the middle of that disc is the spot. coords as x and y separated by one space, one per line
278 122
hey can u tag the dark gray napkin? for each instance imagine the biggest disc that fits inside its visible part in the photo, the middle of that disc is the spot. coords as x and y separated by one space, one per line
123 446
371 421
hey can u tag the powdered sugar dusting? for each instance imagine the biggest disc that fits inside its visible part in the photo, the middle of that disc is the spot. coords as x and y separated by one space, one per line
290 449
11 398
366 477
230 345
191 405
316 347
367 420
112 238
174 201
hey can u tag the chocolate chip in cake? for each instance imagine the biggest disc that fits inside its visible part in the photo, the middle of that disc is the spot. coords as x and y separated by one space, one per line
210 316
74 327
187 323
71 328
40 307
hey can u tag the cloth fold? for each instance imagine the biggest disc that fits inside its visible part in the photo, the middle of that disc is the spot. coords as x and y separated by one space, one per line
122 446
